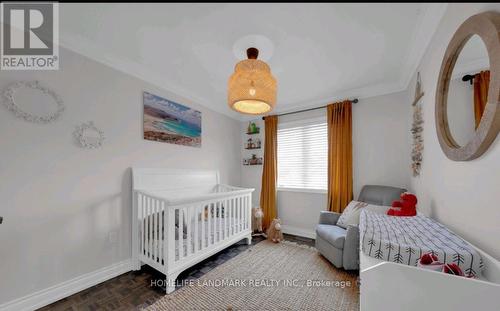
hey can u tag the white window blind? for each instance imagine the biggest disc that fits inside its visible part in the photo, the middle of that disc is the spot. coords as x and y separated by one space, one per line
302 156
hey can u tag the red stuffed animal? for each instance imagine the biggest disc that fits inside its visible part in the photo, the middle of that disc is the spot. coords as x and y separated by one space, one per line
407 206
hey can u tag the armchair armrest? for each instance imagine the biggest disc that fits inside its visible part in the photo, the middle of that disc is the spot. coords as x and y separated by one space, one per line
351 248
352 235
328 218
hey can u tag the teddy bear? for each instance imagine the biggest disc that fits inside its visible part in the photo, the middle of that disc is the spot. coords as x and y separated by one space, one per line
406 206
257 219
274 232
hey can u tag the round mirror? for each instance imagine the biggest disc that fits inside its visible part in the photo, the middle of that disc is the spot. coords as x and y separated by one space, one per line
468 90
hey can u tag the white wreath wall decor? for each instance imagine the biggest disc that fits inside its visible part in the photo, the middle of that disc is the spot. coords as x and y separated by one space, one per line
8 96
85 141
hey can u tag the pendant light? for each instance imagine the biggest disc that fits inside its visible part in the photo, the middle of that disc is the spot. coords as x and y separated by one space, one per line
252 88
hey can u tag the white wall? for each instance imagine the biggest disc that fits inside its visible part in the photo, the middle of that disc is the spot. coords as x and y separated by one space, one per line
381 148
462 195
60 202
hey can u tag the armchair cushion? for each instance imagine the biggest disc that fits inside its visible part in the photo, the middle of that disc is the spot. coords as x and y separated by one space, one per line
332 234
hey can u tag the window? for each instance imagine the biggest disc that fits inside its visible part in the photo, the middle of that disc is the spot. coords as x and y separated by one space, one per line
302 155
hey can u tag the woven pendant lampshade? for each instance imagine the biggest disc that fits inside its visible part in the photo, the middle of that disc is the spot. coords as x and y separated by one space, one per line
252 88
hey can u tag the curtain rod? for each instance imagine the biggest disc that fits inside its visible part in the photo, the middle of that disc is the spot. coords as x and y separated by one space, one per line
354 101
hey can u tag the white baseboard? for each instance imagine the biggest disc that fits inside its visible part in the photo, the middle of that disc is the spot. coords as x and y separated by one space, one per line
298 231
54 293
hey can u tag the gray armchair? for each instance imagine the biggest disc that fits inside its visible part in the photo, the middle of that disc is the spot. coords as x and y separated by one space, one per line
341 246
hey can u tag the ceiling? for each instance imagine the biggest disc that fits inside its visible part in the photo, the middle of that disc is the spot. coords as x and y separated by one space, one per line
322 52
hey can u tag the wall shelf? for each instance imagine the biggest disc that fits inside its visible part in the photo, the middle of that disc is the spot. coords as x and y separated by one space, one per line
253 133
254 148
251 164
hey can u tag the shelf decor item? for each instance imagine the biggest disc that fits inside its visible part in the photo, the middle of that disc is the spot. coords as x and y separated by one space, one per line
252 128
32 92
252 87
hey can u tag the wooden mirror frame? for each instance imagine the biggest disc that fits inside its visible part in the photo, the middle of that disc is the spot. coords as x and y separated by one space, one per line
487 27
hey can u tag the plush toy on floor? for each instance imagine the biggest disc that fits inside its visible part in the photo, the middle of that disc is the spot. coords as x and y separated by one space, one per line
407 206
274 232
257 219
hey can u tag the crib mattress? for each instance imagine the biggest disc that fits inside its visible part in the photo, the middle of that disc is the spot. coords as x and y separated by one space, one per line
217 233
404 239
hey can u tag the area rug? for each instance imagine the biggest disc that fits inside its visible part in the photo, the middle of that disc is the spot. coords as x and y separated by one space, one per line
268 276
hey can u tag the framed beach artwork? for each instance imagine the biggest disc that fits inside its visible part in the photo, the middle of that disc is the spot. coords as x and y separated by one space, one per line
170 122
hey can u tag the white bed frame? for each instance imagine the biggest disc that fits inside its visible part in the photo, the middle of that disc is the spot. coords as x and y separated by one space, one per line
161 194
389 286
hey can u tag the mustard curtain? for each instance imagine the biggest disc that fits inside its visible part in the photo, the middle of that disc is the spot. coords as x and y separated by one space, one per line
481 85
339 118
269 172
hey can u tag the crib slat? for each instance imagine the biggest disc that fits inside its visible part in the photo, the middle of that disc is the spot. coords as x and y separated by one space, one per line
196 216
158 230
170 235
203 219
153 237
141 217
145 215
217 226
244 212
188 226
209 232
162 235
216 207
155 229
146 230
180 245
238 215
231 220
245 215
249 212
230 215
214 222
150 226
242 216
225 219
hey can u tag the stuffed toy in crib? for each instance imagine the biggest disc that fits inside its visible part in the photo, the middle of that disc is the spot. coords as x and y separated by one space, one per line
274 232
407 206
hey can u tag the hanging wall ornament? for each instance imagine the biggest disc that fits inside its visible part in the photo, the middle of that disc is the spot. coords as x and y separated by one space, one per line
34 94
88 136
417 130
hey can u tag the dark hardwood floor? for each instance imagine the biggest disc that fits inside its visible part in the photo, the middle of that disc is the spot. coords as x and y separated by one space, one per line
136 289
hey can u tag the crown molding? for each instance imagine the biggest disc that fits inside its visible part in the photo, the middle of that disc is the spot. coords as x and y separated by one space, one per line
427 25
359 93
85 47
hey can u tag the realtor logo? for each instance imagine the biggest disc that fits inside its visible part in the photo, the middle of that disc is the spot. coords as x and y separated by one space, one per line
30 36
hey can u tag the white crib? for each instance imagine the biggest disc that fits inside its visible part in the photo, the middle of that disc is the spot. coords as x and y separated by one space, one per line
181 217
